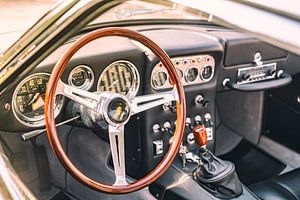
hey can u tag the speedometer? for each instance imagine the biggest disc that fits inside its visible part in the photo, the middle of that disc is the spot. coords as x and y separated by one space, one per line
119 77
29 98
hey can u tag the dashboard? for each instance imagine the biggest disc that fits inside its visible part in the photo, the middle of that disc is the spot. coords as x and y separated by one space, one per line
203 57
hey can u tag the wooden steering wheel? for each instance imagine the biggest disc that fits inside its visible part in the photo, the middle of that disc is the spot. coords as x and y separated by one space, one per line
107 104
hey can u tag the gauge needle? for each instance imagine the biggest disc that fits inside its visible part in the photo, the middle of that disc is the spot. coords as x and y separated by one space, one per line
34 98
114 83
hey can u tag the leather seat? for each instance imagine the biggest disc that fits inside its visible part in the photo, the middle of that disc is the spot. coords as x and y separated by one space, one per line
286 186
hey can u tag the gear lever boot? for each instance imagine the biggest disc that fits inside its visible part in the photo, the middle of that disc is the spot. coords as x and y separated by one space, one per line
214 174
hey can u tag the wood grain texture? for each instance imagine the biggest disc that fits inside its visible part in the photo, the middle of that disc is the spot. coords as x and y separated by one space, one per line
200 135
50 120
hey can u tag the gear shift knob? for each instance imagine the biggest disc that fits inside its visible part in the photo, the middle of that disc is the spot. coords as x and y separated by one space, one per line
200 135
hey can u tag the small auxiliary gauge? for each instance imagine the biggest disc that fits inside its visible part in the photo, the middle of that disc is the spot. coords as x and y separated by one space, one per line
206 73
82 77
159 79
191 75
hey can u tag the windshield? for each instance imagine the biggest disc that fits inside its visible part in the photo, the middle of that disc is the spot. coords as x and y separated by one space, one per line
141 10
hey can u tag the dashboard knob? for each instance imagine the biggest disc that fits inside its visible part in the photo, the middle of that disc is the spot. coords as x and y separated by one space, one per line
156 128
272 72
245 77
188 121
200 135
167 125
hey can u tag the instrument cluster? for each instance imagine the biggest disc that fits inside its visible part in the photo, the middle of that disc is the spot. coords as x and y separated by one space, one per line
29 97
191 70
120 77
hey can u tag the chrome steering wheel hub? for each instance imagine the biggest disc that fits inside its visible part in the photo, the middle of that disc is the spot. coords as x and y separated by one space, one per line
116 110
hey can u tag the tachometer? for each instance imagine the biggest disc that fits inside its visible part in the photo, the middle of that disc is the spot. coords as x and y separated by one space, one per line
29 98
120 77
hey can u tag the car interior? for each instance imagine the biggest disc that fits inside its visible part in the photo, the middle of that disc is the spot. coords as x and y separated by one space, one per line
242 113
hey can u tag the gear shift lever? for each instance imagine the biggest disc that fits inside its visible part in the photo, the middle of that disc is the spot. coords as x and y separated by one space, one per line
200 136
214 174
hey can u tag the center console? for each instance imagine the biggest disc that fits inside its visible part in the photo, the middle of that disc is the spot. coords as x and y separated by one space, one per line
178 184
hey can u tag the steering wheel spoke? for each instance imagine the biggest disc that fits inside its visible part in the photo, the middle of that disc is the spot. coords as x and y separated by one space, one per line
87 99
146 102
116 138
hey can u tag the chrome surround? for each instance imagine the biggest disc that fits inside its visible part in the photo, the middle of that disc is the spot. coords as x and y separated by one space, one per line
159 87
212 74
135 79
27 121
257 77
184 64
105 107
186 74
88 83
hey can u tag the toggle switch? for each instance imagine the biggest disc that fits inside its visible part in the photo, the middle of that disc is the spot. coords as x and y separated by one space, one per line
199 100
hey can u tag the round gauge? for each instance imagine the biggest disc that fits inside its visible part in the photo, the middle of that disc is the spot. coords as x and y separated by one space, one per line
180 73
206 73
159 79
191 75
82 77
29 99
120 77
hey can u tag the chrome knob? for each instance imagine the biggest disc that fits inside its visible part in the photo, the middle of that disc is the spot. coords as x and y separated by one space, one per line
156 128
167 125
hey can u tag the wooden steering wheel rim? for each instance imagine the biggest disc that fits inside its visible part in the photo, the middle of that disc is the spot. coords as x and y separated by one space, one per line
50 120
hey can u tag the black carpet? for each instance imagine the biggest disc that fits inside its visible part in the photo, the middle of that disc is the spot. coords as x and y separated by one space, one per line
252 164
61 196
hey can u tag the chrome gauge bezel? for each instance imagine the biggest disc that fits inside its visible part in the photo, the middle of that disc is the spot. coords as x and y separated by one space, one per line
135 79
184 64
38 121
186 74
211 76
88 82
162 86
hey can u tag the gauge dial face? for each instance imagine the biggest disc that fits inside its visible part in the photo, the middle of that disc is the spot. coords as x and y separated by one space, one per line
119 77
29 100
159 79
206 73
191 75
81 77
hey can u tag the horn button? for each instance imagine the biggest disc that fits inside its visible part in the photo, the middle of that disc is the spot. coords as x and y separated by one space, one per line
118 111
